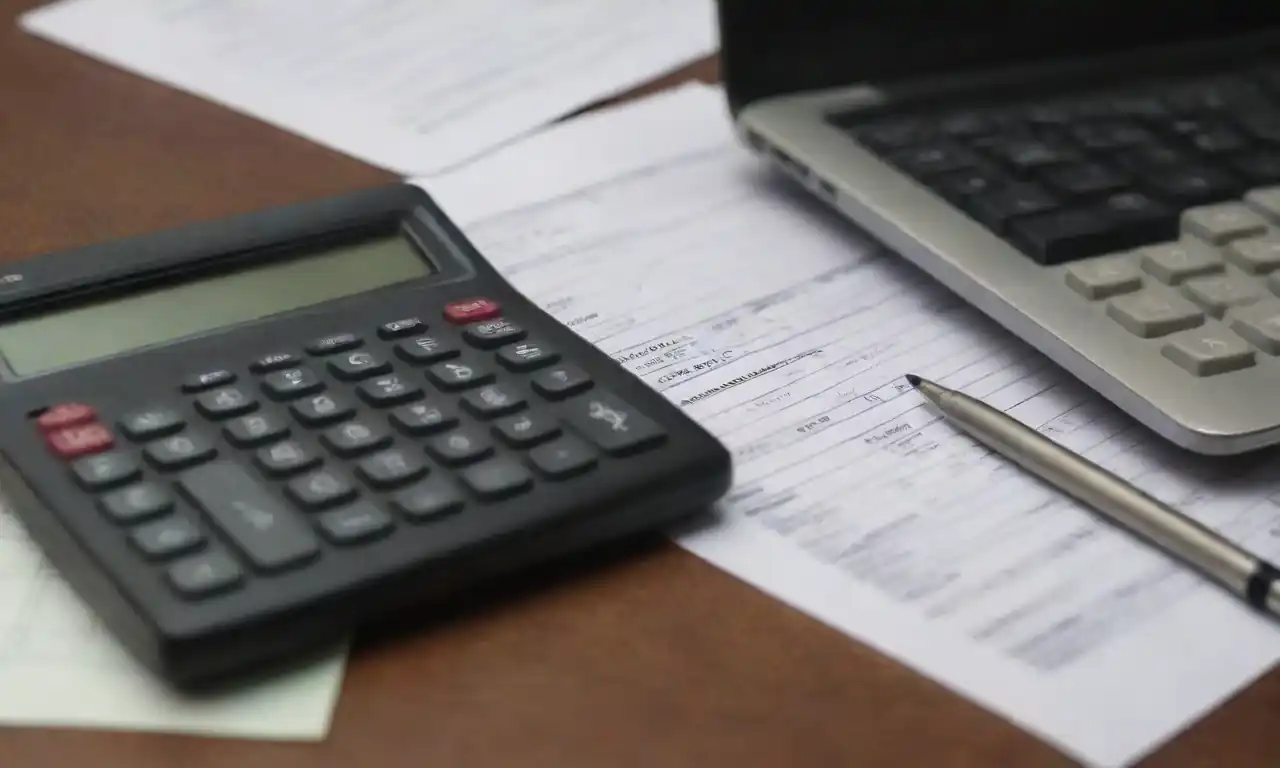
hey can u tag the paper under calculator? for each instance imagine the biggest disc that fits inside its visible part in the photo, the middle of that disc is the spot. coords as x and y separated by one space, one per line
239 439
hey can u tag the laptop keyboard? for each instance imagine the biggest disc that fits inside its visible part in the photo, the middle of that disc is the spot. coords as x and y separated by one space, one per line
1076 176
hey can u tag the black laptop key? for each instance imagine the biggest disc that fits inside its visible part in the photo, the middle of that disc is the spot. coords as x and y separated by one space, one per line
997 208
1258 166
966 183
1152 157
1029 154
1108 135
1085 179
1218 139
967 124
1193 185
1261 126
932 158
886 135
1121 222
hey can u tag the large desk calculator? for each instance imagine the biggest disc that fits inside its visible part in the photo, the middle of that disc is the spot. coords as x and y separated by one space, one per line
237 440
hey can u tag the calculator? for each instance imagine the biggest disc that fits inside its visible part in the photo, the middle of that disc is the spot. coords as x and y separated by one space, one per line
239 439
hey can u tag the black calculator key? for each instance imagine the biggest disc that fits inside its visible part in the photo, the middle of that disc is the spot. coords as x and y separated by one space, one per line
613 425
460 446
526 429
320 489
322 409
179 451
498 478
423 419
329 345
390 390
491 401
205 574
199 382
563 458
356 437
268 533
459 374
425 350
225 402
292 382
150 423
353 366
526 356
106 470
1193 185
357 523
995 209
561 382
1086 179
167 538
286 458
403 327
391 468
140 501
273 362
255 429
429 500
492 334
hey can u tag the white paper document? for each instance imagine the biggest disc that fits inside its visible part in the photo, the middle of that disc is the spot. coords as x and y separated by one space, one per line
788 335
411 86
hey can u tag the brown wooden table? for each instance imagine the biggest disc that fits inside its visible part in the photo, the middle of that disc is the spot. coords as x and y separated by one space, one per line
648 658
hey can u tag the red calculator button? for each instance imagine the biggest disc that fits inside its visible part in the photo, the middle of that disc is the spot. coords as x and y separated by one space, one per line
77 441
471 310
65 415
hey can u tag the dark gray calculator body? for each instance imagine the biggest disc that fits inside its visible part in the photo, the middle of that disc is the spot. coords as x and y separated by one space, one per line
239 439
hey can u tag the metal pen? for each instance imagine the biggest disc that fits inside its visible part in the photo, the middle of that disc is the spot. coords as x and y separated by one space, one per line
1249 577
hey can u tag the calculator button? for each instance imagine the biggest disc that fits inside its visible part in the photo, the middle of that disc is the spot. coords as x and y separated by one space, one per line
1103 277
492 334
321 410
457 375
1256 255
1208 352
65 415
1217 293
269 534
614 426
273 362
106 470
151 423
137 502
78 441
1259 323
561 382
563 458
399 328
425 350
330 344
167 538
526 429
204 575
354 366
1171 263
492 401
526 357
225 402
498 478
291 383
320 489
422 419
1150 315
286 458
201 381
179 451
388 390
471 310
460 447
356 437
429 500
357 523
255 429
1222 222
391 468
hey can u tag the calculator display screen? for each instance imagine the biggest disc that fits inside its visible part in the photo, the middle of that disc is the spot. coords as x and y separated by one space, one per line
112 326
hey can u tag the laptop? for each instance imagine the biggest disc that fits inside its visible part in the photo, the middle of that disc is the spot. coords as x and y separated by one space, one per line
1100 178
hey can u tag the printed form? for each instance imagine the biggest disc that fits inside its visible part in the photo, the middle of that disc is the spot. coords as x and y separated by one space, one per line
788 335
414 87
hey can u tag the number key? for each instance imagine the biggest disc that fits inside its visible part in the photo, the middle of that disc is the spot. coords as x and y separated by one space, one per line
391 468
320 489
498 478
353 366
425 350
561 382
321 410
179 451
291 383
526 429
225 402
105 470
388 390
151 423
491 401
137 502
205 575
354 524
457 375
356 437
166 538
422 419
563 458
460 447
286 458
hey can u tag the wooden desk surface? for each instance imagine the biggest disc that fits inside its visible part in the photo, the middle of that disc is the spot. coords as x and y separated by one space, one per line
650 659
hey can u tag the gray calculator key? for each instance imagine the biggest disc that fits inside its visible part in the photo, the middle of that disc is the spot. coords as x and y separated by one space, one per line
167 538
322 409
1265 201
563 458
459 374
390 390
429 500
356 437
491 334
1256 255
255 429
225 402
1259 324
320 489
178 451
150 423
1217 293
1208 352
491 401
106 470
140 501
561 381
498 478
291 383
1104 277
1222 222
353 366
613 425
425 350
270 535
1150 314
286 458
391 468
460 446
526 356
205 574
423 419
357 523
525 429
1171 263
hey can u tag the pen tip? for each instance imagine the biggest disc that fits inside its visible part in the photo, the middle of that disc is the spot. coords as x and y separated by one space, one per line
913 379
